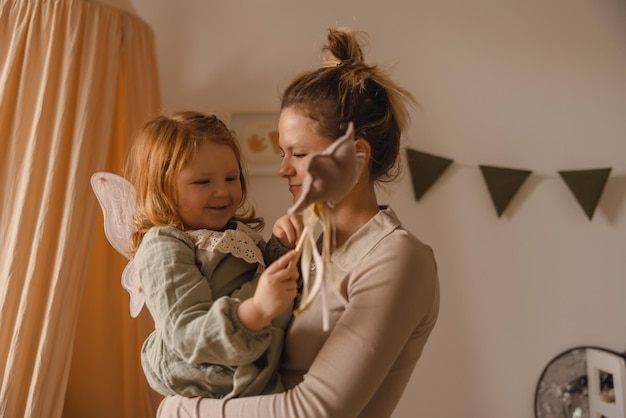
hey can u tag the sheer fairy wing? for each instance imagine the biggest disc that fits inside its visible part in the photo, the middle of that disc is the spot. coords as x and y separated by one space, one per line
130 282
117 199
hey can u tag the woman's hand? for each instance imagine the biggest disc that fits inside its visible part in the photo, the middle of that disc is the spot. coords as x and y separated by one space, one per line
288 229
275 292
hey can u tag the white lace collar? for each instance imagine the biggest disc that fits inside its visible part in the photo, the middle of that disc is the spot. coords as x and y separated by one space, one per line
241 242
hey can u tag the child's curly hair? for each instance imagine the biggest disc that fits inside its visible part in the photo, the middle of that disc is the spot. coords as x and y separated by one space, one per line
162 148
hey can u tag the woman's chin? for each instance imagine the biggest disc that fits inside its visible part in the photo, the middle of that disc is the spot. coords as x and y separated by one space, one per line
295 198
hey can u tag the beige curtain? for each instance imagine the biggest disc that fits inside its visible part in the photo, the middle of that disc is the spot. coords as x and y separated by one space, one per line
77 79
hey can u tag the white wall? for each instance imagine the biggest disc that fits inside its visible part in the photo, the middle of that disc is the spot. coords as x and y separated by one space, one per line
532 84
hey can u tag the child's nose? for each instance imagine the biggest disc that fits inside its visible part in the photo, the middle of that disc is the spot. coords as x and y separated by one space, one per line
220 190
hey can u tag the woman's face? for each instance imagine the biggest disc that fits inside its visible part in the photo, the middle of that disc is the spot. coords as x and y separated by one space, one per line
298 140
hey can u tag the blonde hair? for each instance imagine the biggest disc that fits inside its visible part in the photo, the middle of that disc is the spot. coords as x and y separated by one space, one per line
345 89
164 146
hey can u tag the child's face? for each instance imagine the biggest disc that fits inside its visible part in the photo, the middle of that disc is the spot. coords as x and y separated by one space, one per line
209 188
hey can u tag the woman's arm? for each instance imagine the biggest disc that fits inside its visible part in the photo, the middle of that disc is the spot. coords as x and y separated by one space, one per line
369 355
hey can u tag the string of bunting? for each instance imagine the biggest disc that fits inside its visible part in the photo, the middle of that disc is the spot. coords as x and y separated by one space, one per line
503 183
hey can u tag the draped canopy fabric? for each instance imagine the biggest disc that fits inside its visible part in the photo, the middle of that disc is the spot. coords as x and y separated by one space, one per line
77 79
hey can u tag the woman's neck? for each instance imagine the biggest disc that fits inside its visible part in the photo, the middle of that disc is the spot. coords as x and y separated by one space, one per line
357 209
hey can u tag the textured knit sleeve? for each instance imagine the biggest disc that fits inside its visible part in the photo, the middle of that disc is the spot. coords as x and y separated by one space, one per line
194 325
273 250
365 363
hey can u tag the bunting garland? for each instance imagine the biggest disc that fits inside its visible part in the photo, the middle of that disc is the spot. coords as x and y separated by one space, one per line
425 170
586 186
503 183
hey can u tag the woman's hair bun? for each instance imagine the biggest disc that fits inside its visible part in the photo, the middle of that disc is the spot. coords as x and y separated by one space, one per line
343 47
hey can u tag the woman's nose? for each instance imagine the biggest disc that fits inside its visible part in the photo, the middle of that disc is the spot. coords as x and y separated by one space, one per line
285 169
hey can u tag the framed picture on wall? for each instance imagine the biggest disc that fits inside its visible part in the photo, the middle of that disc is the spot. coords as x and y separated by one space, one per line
258 137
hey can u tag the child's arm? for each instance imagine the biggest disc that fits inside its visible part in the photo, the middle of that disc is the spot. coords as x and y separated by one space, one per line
275 292
192 323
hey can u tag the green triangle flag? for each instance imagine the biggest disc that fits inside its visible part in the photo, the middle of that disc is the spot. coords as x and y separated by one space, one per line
587 186
503 184
425 170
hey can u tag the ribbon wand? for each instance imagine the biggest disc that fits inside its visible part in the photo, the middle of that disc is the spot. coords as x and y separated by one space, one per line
330 176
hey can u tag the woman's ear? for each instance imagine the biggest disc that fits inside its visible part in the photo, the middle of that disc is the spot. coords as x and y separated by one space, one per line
363 147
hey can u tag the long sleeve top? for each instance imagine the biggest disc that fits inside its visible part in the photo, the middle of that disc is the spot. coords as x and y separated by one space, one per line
361 367
193 282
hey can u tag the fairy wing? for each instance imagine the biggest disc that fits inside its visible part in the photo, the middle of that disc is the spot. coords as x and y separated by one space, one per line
117 199
130 282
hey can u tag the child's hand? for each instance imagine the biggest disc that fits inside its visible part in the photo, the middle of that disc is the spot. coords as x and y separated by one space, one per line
275 292
288 229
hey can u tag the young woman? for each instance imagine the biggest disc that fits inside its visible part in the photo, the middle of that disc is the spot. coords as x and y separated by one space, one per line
388 277
219 314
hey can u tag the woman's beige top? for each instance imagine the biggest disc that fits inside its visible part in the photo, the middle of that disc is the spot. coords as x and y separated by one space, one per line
361 367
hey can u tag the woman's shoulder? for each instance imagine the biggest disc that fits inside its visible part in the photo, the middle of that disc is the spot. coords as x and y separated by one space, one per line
410 261
404 243
400 242
382 238
394 234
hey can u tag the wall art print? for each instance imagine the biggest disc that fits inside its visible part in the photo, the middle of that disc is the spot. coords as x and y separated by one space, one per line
258 137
